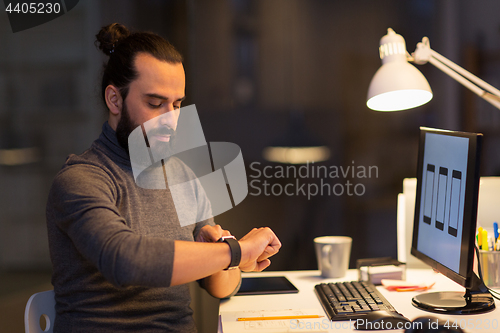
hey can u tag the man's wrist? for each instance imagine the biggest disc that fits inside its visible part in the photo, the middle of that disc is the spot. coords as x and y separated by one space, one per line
235 249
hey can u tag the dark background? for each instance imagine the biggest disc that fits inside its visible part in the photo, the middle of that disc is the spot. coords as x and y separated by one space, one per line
249 65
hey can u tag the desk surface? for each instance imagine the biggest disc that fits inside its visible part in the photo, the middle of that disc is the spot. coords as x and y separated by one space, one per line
306 299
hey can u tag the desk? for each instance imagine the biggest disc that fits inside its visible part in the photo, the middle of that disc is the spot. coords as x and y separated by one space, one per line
306 299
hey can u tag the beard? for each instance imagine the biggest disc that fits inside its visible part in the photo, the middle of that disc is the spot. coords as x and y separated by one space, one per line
126 126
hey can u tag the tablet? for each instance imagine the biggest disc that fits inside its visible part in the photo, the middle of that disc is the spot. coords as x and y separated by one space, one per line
266 285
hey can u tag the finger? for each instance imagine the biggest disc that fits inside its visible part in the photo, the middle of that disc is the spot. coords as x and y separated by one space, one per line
272 250
269 251
213 233
276 243
261 265
218 232
226 233
274 240
203 234
265 255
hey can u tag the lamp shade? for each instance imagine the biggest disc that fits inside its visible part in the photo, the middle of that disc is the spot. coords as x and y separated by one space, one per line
397 85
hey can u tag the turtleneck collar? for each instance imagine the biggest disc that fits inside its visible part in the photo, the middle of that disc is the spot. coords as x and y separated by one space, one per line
109 142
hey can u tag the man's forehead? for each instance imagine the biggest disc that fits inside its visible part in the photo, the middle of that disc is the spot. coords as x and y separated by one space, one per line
158 74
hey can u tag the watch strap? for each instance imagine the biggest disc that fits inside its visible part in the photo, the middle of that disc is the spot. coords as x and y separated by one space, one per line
235 248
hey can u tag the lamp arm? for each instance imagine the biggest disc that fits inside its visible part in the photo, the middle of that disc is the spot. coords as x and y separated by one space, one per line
424 54
468 75
473 85
487 96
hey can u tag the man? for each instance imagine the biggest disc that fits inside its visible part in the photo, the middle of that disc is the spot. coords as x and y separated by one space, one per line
121 259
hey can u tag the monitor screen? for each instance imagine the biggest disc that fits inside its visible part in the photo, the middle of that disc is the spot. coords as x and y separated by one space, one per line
442 200
445 212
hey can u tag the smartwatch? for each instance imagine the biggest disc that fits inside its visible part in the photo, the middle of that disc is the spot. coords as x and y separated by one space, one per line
235 251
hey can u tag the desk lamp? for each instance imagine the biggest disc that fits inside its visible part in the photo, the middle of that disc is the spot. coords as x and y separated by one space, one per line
397 85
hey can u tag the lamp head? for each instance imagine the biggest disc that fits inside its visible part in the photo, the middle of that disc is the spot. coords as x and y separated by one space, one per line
397 85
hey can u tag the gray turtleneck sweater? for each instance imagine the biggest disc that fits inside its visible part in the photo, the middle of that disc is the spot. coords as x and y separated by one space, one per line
112 246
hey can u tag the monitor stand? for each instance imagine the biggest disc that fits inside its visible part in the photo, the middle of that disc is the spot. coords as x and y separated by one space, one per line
476 299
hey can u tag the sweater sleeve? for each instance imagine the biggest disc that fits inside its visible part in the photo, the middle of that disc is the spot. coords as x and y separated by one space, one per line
204 209
82 205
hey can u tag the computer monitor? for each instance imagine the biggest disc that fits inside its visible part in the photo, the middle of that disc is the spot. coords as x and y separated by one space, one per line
444 226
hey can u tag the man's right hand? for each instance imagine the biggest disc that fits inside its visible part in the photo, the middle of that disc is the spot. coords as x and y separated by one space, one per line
256 247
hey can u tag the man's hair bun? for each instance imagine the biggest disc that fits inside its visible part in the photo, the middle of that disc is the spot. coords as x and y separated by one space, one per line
110 36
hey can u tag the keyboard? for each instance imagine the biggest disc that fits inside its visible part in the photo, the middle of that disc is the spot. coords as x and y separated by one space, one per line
351 300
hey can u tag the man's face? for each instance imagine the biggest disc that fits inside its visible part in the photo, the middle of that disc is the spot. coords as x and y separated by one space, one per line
158 91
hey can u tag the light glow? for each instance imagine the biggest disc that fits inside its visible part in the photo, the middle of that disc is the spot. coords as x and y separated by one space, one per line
399 100
19 156
296 155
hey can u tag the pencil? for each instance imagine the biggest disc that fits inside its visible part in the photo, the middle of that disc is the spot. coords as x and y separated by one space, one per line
279 317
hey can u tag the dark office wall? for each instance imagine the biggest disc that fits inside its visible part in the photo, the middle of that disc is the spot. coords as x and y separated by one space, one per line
253 62
261 60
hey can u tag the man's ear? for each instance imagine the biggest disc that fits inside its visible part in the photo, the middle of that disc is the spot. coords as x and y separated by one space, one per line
113 100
